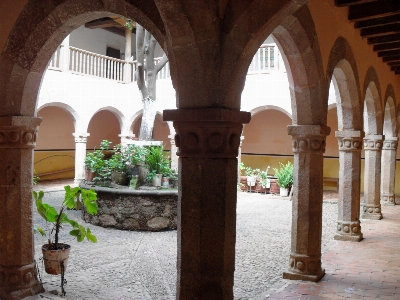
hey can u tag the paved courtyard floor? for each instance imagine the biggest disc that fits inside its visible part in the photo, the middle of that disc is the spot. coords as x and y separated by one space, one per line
142 265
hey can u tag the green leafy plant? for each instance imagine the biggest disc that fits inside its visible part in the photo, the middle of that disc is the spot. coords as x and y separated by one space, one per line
117 162
93 160
284 175
156 160
135 154
58 218
36 178
105 145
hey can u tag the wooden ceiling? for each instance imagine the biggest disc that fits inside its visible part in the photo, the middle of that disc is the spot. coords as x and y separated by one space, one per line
114 25
379 22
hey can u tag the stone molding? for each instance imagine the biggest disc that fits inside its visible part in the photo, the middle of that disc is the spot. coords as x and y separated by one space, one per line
207 132
390 143
348 231
372 211
350 140
81 137
21 280
18 132
308 138
304 268
388 199
373 142
172 140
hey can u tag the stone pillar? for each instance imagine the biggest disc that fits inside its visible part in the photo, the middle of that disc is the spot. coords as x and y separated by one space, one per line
126 139
350 145
240 156
308 142
65 55
372 177
388 172
208 140
128 54
174 156
18 276
80 154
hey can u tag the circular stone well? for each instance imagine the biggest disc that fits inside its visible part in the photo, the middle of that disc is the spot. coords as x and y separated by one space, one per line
128 209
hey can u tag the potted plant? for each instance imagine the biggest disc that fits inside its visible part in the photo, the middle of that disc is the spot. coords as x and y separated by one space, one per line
105 148
155 160
250 177
55 254
118 166
93 162
135 157
284 177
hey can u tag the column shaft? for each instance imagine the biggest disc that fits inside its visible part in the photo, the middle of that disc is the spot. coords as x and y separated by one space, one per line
174 156
372 177
348 227
128 53
308 147
388 170
18 276
80 154
208 141
65 54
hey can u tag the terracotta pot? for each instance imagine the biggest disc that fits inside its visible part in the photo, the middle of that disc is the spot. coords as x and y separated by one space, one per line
53 258
243 181
89 175
274 186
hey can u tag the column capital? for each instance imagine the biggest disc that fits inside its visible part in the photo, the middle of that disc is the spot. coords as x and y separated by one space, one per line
390 143
80 137
18 132
308 138
207 132
350 140
373 142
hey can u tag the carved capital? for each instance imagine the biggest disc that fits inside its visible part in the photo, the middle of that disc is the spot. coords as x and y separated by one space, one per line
308 138
81 137
350 140
207 132
22 280
373 142
18 132
390 143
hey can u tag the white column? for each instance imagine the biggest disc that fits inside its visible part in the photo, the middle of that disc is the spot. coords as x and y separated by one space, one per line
128 53
65 55
174 156
240 156
388 170
80 154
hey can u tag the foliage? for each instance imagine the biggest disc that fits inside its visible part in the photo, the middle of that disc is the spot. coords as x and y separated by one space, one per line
151 175
118 162
284 175
105 145
156 160
94 160
36 178
263 178
241 167
252 172
135 154
103 173
58 218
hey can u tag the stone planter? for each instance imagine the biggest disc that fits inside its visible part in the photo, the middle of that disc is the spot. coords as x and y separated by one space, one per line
128 209
53 259
143 172
119 177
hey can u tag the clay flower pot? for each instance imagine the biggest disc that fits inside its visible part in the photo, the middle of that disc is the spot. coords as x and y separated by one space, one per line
53 258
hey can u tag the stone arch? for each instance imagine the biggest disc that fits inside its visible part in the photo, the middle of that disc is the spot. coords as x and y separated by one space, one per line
297 39
389 118
373 119
342 70
118 114
258 109
75 117
29 48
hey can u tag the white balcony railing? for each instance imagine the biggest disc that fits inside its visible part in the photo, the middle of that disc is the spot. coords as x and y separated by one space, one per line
88 63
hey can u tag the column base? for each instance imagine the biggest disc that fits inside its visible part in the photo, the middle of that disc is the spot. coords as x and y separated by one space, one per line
372 212
305 277
78 181
304 267
17 283
388 199
348 231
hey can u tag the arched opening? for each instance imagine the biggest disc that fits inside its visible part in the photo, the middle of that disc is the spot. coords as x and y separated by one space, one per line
104 125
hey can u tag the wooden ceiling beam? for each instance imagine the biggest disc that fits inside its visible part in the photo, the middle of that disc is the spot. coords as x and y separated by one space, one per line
381 30
376 9
377 21
102 23
391 58
387 46
393 63
384 39
341 3
388 53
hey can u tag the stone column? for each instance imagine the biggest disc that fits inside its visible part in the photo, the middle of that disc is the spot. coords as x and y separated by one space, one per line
372 177
350 145
80 154
174 156
65 54
240 156
128 54
208 140
18 276
308 142
126 139
388 172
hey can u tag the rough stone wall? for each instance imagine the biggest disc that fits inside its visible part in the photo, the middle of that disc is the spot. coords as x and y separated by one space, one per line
135 210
